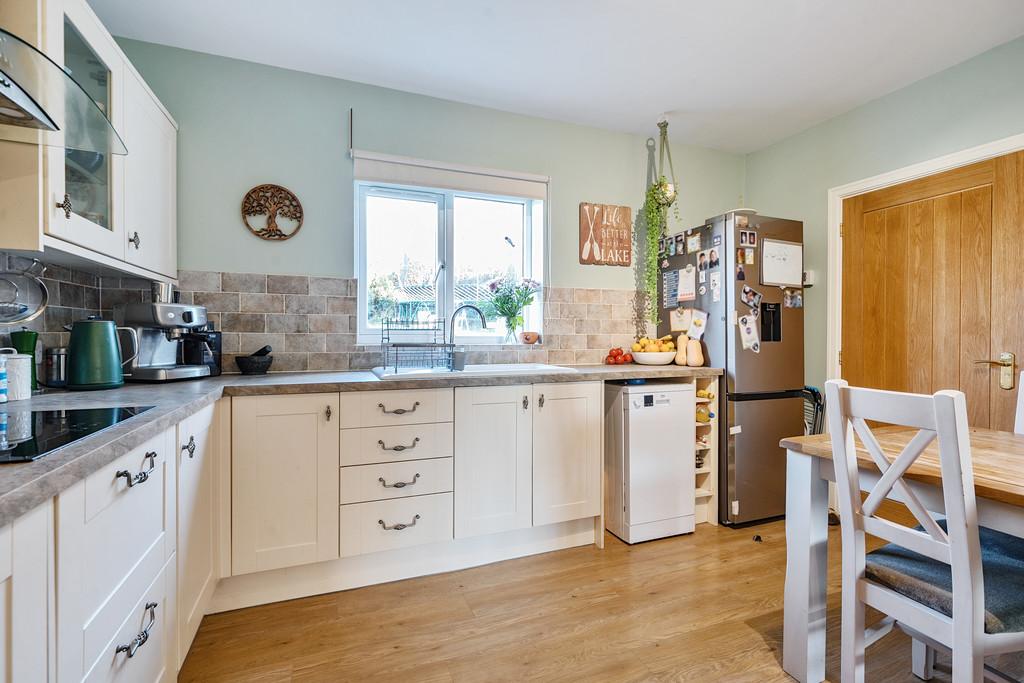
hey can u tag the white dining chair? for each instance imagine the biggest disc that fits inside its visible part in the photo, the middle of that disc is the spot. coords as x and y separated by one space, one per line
948 583
1018 422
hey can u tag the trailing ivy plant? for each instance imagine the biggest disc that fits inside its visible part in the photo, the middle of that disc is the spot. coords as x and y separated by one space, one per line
660 196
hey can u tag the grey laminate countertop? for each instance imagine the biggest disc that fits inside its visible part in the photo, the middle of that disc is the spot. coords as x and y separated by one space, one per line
24 486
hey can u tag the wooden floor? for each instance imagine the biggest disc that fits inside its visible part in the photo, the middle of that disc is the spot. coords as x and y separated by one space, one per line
706 607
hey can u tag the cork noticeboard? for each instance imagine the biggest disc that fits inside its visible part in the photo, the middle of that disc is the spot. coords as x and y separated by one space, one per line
606 234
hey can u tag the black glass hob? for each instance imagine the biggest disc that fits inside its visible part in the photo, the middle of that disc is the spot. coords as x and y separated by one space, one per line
27 435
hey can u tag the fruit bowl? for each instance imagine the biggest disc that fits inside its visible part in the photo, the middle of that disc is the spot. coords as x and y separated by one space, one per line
654 357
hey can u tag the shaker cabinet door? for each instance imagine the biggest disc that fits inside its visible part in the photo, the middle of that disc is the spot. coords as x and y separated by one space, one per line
567 435
284 481
493 435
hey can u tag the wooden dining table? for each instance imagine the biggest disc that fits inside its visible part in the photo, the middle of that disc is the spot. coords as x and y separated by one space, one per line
998 460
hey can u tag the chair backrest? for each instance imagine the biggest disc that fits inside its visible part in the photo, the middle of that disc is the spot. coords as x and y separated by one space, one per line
941 417
1018 423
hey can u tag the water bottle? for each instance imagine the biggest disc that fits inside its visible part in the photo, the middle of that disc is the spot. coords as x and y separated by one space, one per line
3 378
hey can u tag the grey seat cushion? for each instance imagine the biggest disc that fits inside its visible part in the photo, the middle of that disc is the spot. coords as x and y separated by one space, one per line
930 582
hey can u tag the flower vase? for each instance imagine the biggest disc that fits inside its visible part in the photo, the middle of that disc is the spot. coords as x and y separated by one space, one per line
510 331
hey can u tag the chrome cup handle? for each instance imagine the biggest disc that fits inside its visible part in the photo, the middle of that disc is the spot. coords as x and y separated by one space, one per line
135 343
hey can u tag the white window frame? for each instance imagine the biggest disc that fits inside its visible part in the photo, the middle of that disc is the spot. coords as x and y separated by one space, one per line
366 335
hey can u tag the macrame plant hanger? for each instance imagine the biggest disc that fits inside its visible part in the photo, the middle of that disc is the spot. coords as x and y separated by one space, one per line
665 152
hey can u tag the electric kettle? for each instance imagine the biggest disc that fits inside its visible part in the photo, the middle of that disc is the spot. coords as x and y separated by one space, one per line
94 354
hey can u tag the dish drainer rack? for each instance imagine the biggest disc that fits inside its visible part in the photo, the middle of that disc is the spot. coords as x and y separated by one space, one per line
414 344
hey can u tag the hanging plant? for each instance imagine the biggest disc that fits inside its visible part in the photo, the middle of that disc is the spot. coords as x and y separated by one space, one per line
660 196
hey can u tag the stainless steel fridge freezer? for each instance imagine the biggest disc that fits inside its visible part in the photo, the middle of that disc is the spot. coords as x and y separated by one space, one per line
761 400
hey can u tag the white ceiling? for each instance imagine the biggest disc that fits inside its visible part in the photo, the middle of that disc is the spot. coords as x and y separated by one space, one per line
733 74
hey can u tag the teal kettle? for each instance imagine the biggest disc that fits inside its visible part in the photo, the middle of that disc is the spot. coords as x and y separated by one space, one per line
94 354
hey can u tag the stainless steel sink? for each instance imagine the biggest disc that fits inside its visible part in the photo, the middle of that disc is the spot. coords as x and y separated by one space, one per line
473 371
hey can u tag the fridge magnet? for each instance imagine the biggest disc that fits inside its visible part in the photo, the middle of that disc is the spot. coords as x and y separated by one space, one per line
702 260
680 243
698 324
716 241
714 263
606 235
742 221
702 290
748 334
741 275
679 319
669 288
687 283
716 286
750 297
751 238
743 238
748 256
693 243
670 246
702 275
793 298
661 246
716 294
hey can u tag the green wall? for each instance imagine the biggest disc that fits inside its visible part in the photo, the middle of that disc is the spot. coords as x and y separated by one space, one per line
975 102
242 124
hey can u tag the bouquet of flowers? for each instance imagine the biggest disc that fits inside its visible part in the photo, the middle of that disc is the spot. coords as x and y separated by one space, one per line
510 298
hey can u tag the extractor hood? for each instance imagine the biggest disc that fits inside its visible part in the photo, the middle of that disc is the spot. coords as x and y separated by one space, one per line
41 104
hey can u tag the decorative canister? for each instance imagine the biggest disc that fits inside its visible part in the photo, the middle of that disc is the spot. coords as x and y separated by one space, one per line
19 374
3 383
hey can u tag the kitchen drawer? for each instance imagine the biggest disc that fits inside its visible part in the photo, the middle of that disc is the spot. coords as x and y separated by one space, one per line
402 407
400 479
428 519
112 541
394 444
146 627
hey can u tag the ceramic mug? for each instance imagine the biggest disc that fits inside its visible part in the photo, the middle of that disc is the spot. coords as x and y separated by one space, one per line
19 374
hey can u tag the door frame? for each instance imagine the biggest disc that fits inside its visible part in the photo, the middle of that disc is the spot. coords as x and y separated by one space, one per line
836 195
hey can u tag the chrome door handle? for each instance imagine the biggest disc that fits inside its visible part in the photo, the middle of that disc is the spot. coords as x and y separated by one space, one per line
399 411
399 484
138 641
540 401
140 476
526 402
398 527
190 446
399 448
135 239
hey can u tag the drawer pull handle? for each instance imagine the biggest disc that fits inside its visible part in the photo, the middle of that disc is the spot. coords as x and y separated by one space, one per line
141 476
328 413
190 446
399 447
399 411
399 484
140 640
398 527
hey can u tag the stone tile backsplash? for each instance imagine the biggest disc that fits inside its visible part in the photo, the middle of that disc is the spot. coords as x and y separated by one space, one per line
310 322
73 295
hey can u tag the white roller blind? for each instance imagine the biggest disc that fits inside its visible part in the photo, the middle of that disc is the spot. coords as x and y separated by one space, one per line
385 168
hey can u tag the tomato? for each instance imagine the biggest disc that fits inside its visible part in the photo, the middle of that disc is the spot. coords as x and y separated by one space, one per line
609 360
628 357
615 353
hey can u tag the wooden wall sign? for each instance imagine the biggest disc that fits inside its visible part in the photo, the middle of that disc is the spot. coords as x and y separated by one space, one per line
606 234
274 202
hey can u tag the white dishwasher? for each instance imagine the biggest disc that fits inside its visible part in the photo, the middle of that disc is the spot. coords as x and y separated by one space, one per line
650 433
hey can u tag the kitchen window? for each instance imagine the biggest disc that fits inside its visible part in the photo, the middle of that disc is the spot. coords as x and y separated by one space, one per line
422 252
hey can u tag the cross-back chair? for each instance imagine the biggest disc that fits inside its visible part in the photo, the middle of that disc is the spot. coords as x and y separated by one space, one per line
947 582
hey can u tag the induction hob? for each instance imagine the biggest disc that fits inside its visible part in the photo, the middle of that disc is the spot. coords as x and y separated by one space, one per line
27 435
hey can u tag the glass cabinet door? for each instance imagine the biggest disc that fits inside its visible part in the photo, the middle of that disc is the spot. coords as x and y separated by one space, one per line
87 174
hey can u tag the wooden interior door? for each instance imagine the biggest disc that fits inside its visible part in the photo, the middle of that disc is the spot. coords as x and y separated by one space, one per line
932 270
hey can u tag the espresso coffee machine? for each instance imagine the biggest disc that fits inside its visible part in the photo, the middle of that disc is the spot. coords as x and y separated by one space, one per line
163 329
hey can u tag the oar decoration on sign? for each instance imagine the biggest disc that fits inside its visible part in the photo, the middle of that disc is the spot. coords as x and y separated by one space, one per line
591 245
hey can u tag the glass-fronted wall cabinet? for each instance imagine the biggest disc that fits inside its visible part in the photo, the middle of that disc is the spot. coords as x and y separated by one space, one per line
85 185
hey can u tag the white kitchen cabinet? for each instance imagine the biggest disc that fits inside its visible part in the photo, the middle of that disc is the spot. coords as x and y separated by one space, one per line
284 481
114 538
567 460
26 599
197 539
493 478
35 180
150 217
